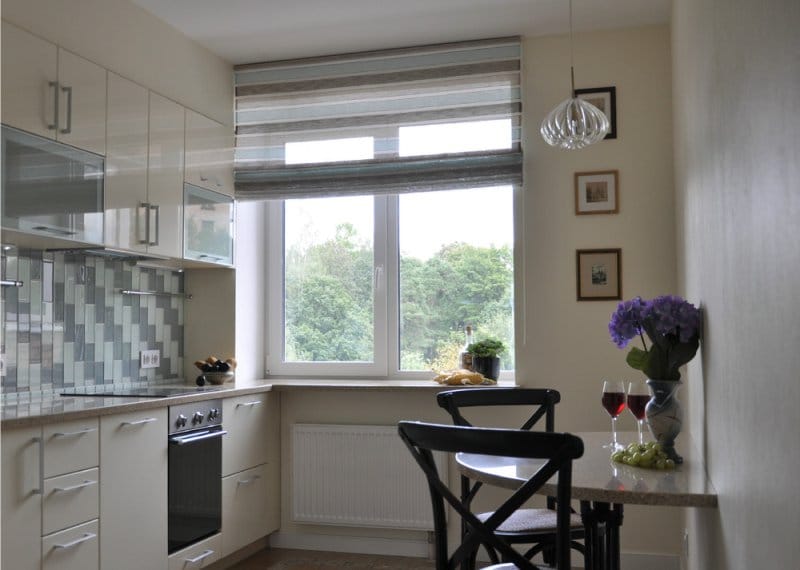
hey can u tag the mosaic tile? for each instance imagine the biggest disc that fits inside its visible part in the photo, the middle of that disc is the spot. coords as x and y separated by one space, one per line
69 325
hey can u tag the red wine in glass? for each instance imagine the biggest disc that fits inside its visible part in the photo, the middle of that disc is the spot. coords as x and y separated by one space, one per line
613 401
638 396
637 404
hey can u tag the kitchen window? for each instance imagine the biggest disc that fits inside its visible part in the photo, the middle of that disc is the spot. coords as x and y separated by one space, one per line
392 178
384 285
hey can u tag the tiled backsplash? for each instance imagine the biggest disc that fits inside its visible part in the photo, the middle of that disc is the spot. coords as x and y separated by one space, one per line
69 325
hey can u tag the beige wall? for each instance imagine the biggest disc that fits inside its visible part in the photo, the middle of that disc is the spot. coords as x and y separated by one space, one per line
126 39
564 344
737 79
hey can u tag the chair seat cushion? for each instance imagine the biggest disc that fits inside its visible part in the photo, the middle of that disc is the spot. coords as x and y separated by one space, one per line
532 520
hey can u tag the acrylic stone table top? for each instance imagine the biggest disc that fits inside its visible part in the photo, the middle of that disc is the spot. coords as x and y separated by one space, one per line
596 478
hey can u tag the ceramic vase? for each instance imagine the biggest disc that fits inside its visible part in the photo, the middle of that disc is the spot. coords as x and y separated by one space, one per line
489 366
665 415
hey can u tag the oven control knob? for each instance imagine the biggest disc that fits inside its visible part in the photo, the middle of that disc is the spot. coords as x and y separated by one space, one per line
197 418
180 421
213 414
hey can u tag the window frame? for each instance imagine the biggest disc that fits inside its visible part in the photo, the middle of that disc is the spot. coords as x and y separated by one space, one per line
386 291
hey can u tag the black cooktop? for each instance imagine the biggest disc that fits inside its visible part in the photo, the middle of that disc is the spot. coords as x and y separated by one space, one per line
150 392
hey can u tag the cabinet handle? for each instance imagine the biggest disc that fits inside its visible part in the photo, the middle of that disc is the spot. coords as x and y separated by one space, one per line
54 125
86 483
68 91
248 481
200 557
74 433
40 482
155 224
77 541
249 404
144 237
139 422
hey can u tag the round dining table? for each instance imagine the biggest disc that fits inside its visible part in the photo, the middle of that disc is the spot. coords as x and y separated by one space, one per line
603 486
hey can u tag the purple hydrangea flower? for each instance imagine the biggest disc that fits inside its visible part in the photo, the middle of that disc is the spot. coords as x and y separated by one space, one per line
671 315
626 321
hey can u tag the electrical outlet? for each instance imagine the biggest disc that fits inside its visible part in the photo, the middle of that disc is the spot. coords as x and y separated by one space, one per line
150 358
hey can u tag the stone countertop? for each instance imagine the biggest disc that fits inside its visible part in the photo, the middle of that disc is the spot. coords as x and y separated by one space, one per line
596 478
51 408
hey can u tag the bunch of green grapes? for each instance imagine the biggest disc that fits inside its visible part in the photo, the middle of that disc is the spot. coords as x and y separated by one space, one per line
649 455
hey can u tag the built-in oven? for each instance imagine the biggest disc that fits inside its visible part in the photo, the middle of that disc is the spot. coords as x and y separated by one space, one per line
194 497
51 189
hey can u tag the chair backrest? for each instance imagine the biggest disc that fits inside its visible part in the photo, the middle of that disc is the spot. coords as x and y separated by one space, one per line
542 400
556 449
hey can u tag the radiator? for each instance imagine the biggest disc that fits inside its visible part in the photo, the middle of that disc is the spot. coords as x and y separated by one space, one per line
355 475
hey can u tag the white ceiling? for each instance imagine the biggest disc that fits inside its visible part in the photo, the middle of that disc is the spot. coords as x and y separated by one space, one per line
248 31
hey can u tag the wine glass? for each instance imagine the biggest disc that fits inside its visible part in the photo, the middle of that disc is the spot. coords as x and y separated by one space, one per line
613 401
638 396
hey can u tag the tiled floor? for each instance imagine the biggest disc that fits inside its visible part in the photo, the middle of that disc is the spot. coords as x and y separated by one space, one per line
276 559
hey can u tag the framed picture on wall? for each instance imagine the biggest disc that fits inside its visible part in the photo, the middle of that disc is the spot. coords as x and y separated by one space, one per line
597 192
599 274
605 99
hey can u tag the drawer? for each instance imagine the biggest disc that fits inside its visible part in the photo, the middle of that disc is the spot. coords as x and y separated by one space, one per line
76 548
70 446
247 421
198 555
70 499
245 508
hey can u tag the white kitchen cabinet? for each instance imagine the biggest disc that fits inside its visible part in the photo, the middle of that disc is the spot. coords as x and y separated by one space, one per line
208 226
21 498
49 483
165 174
144 170
199 555
126 208
70 446
248 421
133 491
245 508
52 92
70 500
75 548
209 153
250 468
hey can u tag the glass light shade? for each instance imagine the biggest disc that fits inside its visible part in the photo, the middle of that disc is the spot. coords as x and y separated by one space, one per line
573 124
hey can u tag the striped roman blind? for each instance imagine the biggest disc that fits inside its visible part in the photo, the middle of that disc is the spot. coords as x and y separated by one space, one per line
402 120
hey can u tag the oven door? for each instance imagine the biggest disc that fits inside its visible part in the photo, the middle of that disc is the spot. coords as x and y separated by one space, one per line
195 486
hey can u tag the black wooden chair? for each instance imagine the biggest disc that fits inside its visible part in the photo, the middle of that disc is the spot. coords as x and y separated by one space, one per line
526 526
557 449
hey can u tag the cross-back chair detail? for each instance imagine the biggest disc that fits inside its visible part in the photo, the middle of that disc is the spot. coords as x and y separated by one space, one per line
556 449
541 403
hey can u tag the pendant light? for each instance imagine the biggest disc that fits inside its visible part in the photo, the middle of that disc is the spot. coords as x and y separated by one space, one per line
574 123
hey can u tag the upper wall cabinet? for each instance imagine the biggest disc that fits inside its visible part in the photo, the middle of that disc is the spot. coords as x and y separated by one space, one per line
51 92
209 154
144 170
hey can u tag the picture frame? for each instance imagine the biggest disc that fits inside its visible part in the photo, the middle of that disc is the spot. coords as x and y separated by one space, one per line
605 99
599 274
597 192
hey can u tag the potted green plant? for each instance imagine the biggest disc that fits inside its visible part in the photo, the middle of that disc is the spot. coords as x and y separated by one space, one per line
486 357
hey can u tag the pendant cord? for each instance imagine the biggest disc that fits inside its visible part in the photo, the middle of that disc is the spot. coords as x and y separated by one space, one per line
571 52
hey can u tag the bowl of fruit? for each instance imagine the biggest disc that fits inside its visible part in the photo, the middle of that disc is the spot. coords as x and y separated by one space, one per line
215 371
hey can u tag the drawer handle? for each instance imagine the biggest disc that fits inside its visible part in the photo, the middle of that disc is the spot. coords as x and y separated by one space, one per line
140 422
197 559
74 433
77 541
248 481
248 404
86 483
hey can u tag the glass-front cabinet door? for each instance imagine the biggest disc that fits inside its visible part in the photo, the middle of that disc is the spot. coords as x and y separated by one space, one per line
208 226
